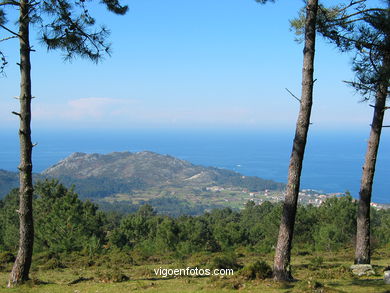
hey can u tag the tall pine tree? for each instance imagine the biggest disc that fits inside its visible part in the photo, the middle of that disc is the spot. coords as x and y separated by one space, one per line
281 268
66 25
364 30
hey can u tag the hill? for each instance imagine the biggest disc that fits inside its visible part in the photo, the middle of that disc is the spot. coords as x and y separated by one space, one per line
126 172
8 181
126 180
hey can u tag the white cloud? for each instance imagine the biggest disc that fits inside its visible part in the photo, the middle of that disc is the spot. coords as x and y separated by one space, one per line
114 112
83 109
124 113
96 108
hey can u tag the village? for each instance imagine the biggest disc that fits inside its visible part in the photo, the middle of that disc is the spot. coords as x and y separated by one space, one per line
306 196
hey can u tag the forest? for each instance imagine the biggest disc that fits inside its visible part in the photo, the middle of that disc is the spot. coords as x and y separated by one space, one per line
49 237
66 224
71 233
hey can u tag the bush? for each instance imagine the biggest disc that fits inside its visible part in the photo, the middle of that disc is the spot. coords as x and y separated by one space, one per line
6 257
200 259
340 272
118 258
258 270
53 263
310 285
225 261
316 262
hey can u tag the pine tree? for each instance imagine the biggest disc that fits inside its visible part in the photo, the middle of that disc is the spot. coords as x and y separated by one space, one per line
365 31
282 270
64 25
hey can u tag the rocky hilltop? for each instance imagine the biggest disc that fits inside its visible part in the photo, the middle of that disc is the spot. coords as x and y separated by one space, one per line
147 167
123 181
97 175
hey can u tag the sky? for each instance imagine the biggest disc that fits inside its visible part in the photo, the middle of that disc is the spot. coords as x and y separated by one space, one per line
187 64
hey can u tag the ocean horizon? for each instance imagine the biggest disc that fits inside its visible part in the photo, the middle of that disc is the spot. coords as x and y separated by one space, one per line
333 159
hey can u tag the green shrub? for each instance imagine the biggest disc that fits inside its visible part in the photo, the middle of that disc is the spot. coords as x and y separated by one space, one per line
41 258
53 263
316 262
257 270
225 261
120 258
6 257
339 272
310 285
200 259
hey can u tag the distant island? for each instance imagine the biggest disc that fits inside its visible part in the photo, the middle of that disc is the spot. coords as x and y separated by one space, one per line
124 180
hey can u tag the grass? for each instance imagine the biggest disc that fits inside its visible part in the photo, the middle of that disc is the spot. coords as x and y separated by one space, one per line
315 273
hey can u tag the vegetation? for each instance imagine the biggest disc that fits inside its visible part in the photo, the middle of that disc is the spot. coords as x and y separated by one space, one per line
77 243
66 224
74 237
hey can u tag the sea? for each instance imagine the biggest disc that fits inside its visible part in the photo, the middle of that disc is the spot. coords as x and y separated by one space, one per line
333 159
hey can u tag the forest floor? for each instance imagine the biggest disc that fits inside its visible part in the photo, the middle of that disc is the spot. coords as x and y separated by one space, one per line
325 272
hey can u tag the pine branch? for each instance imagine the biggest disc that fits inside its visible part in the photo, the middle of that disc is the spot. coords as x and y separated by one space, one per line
373 63
3 62
8 38
358 13
10 31
352 3
5 3
360 86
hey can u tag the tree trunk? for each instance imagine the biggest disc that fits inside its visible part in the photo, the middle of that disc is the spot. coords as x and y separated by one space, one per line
283 249
21 268
362 250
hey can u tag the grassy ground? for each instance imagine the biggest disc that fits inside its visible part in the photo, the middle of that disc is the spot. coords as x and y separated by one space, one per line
315 273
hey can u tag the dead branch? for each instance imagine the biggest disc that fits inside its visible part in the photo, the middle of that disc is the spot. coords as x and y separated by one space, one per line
294 96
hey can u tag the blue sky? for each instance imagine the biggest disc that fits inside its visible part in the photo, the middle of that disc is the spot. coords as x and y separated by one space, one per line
188 64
